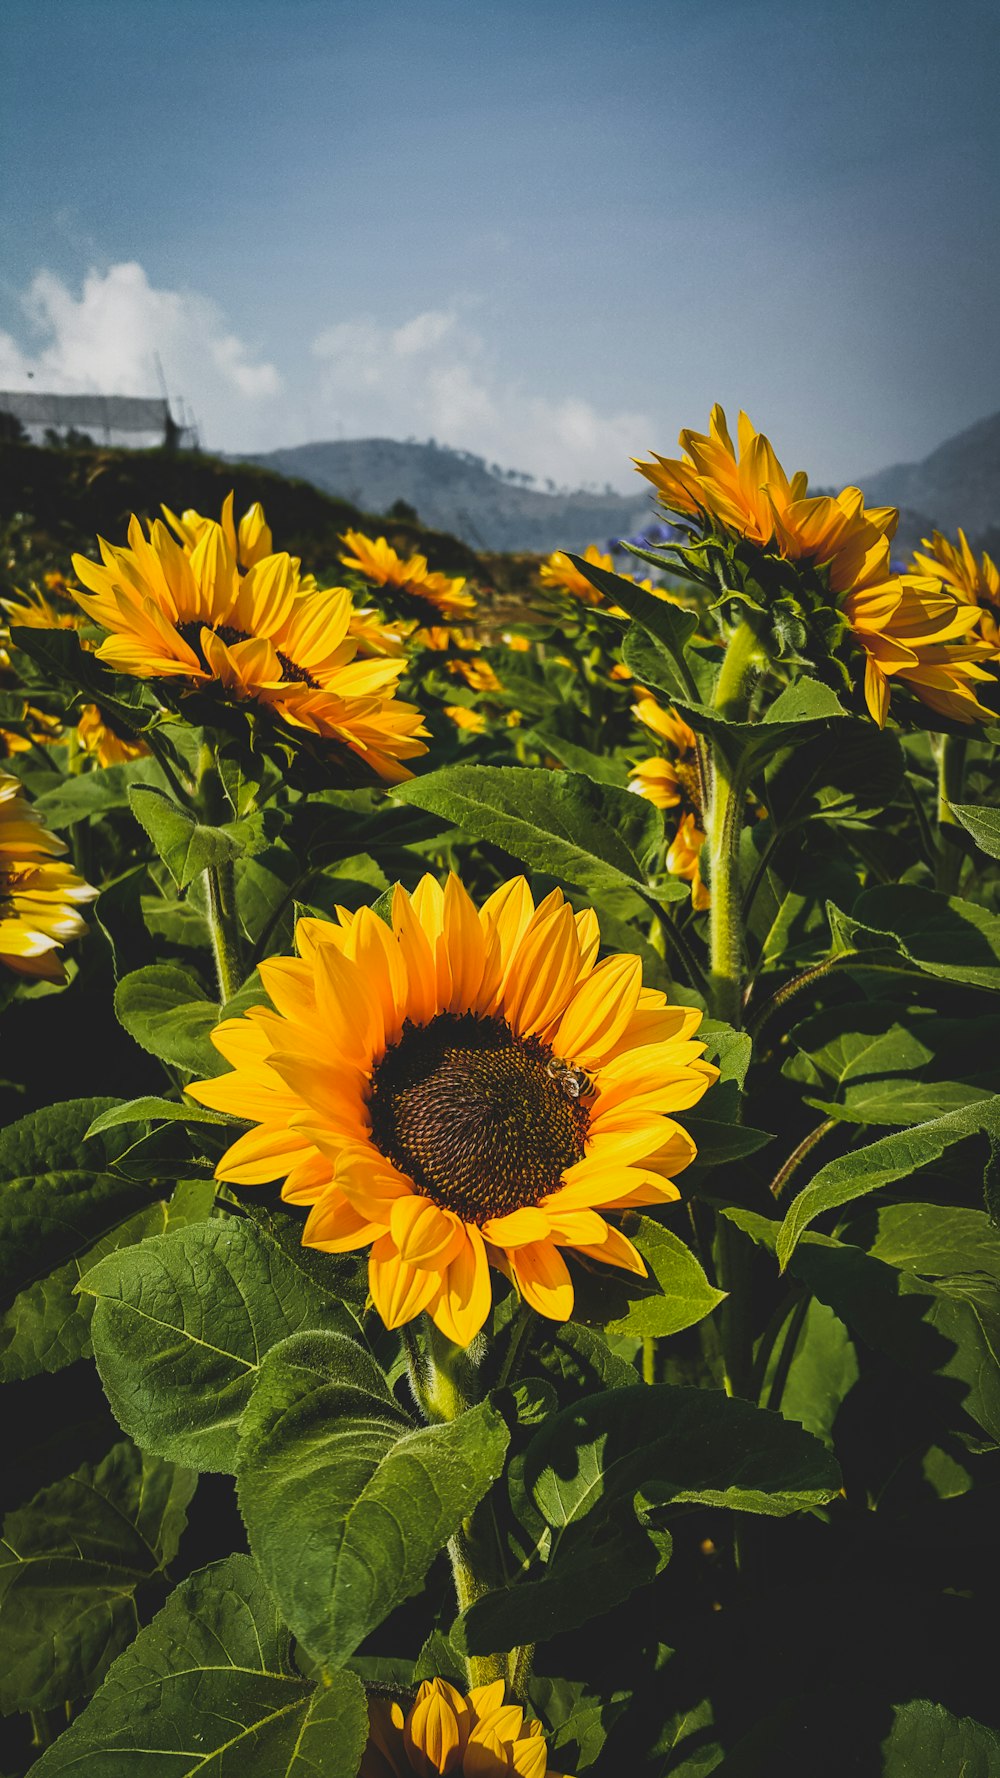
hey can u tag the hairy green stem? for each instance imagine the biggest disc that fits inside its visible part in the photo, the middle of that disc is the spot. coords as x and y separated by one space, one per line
223 924
724 825
444 1385
952 750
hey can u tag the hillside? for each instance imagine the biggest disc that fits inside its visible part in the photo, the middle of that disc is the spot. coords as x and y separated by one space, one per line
71 495
458 493
958 484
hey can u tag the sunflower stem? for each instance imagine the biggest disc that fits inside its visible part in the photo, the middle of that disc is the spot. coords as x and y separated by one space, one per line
724 824
220 882
951 754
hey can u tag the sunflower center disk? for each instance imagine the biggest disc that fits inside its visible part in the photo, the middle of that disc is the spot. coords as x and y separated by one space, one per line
227 633
473 1115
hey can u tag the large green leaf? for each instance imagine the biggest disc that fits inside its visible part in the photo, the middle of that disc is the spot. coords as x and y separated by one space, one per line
58 1193
94 793
211 1687
926 1741
47 1325
346 1503
675 1294
591 1568
165 1008
180 1326
881 1163
675 1444
593 1472
822 1370
593 835
71 1563
939 935
899 1102
937 1240
945 1329
983 824
185 844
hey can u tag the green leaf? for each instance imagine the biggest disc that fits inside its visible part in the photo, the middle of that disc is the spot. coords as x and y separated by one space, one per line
70 1566
676 1293
180 1326
153 1110
671 624
593 1568
593 835
211 1685
58 1193
595 1471
95 793
983 824
48 1325
926 1741
186 845
675 1444
939 935
899 1102
881 1163
165 1008
346 1503
945 1330
823 1370
603 767
937 1240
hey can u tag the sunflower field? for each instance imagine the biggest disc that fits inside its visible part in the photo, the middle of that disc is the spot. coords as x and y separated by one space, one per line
500 1166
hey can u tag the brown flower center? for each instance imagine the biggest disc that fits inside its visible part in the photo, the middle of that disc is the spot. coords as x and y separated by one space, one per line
687 777
482 1121
191 632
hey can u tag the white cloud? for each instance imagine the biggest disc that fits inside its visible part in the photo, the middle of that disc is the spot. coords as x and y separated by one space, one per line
107 340
432 377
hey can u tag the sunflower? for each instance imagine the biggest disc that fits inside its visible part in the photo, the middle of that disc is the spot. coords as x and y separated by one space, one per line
249 541
908 626
911 629
110 746
973 582
38 895
477 673
747 492
196 619
436 601
458 1091
560 572
40 730
472 720
684 859
674 783
475 1736
517 643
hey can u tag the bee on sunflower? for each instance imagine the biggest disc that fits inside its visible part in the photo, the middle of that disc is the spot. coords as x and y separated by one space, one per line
402 1088
910 629
672 782
189 615
39 895
433 603
478 1735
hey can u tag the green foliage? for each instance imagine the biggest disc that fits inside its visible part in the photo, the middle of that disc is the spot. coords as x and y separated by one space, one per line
736 1515
212 1681
346 1501
180 1327
71 1565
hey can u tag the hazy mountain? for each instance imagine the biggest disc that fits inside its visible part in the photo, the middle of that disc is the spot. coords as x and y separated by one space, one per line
958 484
457 492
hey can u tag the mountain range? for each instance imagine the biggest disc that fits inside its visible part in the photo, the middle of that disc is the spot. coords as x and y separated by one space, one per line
488 508
458 492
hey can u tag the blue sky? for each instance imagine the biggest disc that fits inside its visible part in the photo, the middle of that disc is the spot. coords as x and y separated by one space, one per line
552 231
